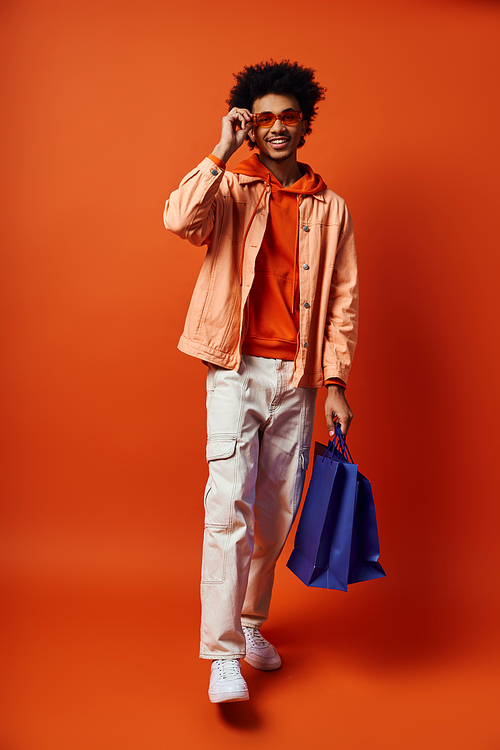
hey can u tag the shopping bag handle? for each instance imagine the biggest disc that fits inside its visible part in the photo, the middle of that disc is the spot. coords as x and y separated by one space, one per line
342 442
339 444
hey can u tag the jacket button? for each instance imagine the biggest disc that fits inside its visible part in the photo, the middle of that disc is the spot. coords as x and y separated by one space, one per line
306 228
306 345
306 304
305 267
214 172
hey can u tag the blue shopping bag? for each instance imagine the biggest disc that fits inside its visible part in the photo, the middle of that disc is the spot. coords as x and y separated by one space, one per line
336 542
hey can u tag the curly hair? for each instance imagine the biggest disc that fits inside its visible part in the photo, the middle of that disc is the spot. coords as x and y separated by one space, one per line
285 77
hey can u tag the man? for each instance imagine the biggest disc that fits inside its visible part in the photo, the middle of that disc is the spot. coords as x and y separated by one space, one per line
274 316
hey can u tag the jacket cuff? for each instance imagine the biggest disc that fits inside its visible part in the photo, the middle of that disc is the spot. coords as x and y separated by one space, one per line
336 371
210 170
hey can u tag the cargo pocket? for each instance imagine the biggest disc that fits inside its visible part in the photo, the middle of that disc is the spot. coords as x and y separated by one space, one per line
219 495
218 500
219 447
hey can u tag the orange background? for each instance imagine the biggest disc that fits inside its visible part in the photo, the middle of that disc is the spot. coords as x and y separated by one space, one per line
106 106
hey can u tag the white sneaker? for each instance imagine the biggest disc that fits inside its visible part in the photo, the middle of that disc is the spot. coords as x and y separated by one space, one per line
226 682
260 653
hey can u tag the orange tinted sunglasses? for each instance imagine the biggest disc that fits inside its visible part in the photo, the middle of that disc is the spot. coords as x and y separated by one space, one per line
267 119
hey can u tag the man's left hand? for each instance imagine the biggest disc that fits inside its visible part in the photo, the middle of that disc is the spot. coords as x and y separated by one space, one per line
337 410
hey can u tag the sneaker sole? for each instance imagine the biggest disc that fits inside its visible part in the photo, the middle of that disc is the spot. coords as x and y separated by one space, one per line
257 664
229 697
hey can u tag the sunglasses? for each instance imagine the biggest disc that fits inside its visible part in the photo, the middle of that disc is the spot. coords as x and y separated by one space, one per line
267 119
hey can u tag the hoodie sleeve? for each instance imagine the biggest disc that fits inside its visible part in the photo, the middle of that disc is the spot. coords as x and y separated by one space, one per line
342 319
190 211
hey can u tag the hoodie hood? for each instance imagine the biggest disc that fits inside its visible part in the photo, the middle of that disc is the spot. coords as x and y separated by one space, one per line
309 184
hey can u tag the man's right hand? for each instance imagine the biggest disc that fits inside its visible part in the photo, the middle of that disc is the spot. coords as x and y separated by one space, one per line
235 128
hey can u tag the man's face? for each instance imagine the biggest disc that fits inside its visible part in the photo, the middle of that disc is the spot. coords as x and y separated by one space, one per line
278 142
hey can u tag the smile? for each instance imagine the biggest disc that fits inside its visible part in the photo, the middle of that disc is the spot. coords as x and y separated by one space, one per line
278 142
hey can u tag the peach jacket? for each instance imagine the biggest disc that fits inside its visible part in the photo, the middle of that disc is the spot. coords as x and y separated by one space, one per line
225 211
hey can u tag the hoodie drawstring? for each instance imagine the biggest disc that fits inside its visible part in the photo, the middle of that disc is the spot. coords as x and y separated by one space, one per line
266 185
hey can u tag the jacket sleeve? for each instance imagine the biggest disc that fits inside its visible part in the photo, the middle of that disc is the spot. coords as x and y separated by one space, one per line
190 210
341 327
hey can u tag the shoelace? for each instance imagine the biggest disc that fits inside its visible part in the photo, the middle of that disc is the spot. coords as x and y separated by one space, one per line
255 637
228 668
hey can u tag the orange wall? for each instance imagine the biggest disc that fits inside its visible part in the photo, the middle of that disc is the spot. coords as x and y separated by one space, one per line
106 106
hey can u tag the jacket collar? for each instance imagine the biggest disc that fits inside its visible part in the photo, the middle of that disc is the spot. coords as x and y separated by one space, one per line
244 179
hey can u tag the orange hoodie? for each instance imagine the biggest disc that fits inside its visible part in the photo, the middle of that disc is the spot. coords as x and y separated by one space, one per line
273 305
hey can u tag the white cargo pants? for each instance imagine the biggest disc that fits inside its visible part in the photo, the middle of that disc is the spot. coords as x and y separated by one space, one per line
259 435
